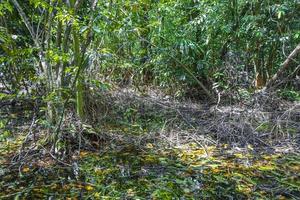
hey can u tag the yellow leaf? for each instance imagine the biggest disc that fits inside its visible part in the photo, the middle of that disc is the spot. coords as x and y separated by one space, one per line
149 146
250 147
280 197
200 152
239 155
83 153
215 170
130 192
244 189
26 169
97 195
295 168
266 168
89 188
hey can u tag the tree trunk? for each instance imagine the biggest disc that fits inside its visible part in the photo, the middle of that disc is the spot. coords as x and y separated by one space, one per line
284 67
79 83
46 68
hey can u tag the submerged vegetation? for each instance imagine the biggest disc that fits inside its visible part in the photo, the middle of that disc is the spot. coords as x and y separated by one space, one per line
171 99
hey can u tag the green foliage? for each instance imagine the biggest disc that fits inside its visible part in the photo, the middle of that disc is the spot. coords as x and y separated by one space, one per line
5 7
197 35
5 135
288 94
163 43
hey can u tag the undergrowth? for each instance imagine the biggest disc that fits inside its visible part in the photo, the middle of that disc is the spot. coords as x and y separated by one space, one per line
146 148
127 172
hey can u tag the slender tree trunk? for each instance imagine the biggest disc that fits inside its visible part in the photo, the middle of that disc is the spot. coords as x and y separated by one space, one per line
45 65
80 61
79 83
284 67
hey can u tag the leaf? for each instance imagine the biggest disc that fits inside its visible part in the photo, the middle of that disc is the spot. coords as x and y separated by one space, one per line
83 154
149 146
26 169
215 170
83 29
130 192
89 187
266 168
96 29
249 146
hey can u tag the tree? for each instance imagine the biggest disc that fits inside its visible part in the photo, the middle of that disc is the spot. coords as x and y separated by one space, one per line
61 39
283 69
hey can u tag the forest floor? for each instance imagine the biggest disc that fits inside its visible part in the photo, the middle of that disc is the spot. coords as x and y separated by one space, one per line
153 147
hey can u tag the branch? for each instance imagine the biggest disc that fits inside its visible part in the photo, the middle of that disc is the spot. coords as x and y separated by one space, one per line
69 25
26 21
285 65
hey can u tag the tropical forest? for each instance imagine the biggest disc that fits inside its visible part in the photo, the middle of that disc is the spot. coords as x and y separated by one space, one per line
149 99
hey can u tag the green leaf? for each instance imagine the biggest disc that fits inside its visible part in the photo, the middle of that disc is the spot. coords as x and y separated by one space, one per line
96 29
